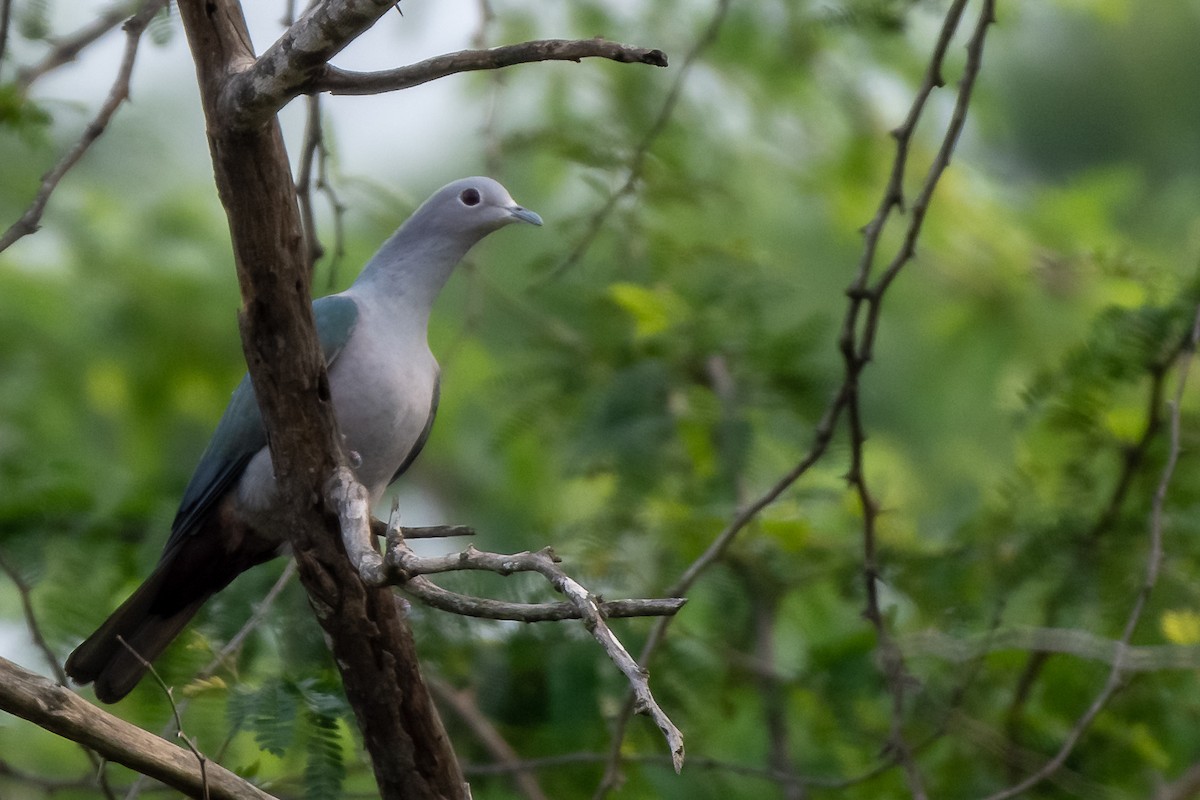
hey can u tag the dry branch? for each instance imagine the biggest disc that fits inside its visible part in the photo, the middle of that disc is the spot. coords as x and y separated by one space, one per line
67 48
339 81
134 28
61 711
400 566
856 344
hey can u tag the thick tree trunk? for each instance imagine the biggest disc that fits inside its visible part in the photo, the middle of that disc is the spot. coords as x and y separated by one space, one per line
370 638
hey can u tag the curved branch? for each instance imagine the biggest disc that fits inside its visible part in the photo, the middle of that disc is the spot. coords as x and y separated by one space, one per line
401 566
339 81
67 48
134 28
61 711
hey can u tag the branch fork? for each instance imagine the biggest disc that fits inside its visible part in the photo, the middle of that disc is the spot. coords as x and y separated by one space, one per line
400 566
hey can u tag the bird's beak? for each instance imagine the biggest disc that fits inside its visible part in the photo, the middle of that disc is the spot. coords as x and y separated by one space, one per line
525 215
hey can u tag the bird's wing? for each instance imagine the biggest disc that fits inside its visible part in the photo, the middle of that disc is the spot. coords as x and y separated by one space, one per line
240 433
424 437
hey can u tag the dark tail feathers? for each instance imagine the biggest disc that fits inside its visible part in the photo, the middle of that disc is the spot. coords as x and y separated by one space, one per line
192 571
148 621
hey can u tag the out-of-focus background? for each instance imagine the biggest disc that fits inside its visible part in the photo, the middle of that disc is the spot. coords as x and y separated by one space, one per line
620 400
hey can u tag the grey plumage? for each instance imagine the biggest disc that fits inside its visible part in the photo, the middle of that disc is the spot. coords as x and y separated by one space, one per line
385 385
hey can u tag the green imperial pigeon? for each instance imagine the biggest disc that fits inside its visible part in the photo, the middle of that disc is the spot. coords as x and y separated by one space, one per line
384 382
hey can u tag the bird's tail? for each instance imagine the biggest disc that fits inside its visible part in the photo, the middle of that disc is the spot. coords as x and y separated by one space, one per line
147 622
190 571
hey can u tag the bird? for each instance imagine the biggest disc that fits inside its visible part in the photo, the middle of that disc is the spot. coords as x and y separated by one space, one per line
385 384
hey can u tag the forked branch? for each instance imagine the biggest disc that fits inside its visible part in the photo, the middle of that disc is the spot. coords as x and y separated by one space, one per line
400 566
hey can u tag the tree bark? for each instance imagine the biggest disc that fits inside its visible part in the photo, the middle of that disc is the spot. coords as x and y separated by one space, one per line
61 711
370 639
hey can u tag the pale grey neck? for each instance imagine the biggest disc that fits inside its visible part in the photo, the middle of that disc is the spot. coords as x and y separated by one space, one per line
410 269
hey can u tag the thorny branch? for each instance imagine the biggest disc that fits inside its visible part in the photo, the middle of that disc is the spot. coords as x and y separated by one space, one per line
1154 557
856 343
134 28
401 566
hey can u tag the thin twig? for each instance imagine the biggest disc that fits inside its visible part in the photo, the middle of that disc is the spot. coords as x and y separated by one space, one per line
633 170
5 18
1063 641
31 622
187 740
401 565
492 160
435 596
1116 674
261 610
1133 456
304 175
856 344
134 27
68 48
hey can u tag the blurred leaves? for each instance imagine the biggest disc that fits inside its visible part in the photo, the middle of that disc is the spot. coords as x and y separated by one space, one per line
625 409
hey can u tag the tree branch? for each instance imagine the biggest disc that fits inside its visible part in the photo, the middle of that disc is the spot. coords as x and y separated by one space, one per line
134 27
464 705
370 640
62 712
252 95
68 48
400 566
435 596
856 344
39 640
339 81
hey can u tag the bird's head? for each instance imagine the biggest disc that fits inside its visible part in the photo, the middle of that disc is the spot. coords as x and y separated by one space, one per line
473 207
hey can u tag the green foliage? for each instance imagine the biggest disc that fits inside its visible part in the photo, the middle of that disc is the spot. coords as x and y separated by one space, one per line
622 409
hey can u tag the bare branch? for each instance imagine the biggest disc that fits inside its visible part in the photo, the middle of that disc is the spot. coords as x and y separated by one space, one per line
435 596
253 95
31 621
5 19
61 711
339 81
68 48
28 223
856 344
1064 641
201 760
401 565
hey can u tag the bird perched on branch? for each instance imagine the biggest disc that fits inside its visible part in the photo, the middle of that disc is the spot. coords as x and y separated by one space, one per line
384 383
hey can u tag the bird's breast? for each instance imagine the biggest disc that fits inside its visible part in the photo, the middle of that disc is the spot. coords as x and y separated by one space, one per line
383 393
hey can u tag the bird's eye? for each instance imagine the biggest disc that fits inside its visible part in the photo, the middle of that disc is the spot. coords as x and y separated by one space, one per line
470 197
